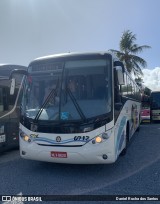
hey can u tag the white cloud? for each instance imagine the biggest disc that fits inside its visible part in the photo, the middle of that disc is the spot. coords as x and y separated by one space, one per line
151 78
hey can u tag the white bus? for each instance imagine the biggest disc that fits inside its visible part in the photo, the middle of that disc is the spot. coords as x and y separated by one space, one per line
80 108
9 108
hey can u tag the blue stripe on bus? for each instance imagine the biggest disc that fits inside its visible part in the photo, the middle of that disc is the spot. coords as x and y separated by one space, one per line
55 142
120 136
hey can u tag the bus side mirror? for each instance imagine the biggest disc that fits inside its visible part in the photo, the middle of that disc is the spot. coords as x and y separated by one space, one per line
13 80
13 86
19 72
120 75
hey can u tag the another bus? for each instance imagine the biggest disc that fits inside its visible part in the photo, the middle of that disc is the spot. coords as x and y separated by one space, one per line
155 106
9 108
80 108
145 112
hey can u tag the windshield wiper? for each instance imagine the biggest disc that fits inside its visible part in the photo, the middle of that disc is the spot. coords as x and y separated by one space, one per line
51 94
76 105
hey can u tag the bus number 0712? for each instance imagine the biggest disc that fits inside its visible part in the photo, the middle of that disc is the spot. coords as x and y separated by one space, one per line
83 138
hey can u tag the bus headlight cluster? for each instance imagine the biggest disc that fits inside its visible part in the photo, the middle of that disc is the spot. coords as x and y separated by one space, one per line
25 137
100 138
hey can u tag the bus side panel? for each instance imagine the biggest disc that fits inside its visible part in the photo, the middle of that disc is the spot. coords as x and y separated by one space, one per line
129 113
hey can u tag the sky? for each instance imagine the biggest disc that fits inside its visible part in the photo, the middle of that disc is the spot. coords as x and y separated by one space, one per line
35 28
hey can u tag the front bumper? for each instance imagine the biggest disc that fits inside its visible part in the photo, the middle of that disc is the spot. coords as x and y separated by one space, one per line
87 154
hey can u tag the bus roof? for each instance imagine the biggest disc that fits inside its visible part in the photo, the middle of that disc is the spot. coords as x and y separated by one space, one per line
5 69
69 54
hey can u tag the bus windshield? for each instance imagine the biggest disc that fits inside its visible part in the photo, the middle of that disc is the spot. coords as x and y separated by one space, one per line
76 90
155 100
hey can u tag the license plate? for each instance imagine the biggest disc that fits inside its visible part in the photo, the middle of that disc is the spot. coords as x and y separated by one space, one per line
59 154
2 138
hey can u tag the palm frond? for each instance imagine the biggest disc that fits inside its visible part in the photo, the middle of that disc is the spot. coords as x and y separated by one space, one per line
137 49
127 41
128 53
118 54
139 61
137 69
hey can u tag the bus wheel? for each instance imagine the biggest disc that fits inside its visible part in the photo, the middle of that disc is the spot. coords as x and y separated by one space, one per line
124 151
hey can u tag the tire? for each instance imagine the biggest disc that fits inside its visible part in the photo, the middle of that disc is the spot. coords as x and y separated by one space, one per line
124 151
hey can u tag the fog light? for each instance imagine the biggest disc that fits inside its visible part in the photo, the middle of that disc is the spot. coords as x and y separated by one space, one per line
93 142
29 140
104 156
98 139
23 152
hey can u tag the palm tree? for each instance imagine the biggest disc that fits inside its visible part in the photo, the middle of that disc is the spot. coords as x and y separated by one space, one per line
139 81
128 53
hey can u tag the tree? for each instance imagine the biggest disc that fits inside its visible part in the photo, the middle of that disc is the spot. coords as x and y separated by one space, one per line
139 81
128 53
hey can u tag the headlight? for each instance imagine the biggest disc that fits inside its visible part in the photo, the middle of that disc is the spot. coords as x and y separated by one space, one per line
25 137
100 138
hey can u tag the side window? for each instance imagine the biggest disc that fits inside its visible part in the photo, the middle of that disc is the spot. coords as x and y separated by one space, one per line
4 106
12 99
133 90
138 93
129 87
124 87
117 96
7 101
